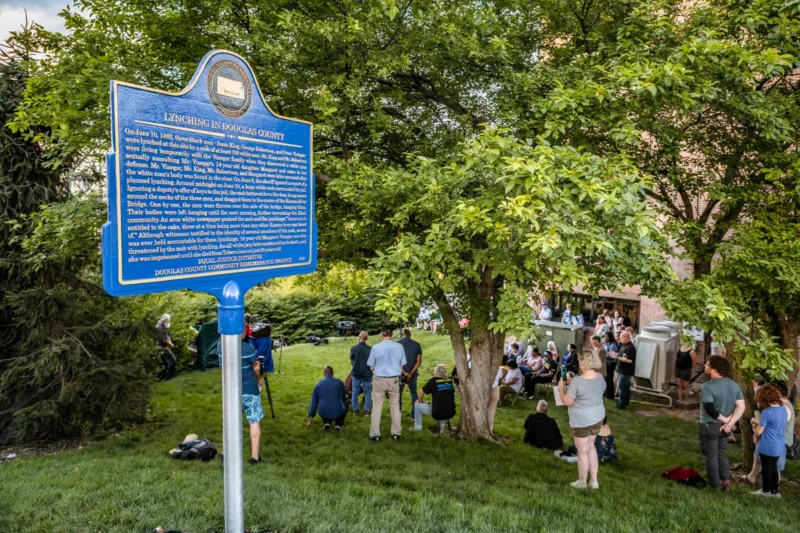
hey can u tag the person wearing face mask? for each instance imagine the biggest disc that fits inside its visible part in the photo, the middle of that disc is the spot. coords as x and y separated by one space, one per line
168 360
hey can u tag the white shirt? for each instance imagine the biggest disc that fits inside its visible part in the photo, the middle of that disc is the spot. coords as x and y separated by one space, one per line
510 376
545 313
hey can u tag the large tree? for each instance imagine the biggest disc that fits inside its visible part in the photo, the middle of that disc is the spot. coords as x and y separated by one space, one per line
702 96
72 359
477 232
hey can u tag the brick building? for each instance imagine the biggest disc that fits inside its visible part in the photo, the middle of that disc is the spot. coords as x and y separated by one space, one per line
638 310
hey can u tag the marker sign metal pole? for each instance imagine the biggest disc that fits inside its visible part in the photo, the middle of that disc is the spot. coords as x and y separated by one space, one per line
232 431
211 191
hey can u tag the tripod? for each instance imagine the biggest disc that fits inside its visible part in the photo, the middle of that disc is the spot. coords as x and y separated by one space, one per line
280 354
269 393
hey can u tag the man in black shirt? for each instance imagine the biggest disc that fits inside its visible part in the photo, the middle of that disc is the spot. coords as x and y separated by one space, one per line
361 375
413 360
545 375
626 366
443 400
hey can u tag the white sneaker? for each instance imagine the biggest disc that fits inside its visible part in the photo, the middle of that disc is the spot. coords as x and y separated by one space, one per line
577 485
415 429
760 492
594 485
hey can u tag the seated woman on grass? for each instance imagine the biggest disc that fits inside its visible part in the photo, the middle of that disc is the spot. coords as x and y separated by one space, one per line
541 431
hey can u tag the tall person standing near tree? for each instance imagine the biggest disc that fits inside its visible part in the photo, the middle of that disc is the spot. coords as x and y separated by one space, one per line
386 360
721 407
361 375
413 352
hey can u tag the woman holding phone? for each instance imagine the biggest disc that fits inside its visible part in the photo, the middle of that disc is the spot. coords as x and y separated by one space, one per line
583 395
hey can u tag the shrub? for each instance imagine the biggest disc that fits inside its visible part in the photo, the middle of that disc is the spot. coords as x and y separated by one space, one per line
79 361
299 314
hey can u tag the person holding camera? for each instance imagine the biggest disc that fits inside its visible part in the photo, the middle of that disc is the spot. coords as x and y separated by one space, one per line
251 395
386 360
583 395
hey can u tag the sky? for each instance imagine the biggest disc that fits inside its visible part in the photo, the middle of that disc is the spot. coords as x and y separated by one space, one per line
45 12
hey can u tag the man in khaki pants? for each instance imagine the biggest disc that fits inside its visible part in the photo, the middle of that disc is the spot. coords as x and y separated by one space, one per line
386 361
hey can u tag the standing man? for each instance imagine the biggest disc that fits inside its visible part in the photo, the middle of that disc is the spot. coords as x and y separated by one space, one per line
328 397
361 375
168 359
721 407
251 395
413 352
626 367
386 360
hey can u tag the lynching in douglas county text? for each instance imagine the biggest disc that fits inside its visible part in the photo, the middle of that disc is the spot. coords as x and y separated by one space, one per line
211 202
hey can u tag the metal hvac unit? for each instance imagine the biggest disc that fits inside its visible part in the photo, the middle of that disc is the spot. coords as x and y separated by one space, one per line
655 360
561 334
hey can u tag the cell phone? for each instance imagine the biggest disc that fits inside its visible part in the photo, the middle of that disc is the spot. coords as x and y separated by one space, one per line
564 373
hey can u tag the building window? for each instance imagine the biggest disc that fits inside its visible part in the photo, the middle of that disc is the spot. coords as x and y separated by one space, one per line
591 307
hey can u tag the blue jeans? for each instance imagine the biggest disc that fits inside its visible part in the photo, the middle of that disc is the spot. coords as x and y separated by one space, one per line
424 409
624 386
412 384
359 385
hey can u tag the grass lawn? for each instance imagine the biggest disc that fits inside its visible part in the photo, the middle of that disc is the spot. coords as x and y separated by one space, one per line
326 482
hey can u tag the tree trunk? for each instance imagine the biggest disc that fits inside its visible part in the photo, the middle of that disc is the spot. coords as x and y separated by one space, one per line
476 387
790 331
748 446
486 353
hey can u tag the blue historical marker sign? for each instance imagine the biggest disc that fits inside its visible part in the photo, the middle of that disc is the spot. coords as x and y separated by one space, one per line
207 188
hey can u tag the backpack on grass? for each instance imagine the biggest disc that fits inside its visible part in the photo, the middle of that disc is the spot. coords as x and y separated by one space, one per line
685 476
193 450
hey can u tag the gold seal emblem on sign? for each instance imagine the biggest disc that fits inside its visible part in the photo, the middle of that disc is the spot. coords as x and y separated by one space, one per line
229 88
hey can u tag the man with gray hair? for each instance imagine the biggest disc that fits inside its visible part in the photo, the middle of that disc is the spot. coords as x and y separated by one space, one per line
542 431
443 399
386 360
361 375
626 366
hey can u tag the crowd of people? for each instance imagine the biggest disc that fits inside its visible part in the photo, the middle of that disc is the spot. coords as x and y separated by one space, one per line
379 372
580 380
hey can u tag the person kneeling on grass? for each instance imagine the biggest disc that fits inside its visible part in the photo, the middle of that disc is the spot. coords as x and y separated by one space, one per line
443 399
251 396
584 398
330 399
542 431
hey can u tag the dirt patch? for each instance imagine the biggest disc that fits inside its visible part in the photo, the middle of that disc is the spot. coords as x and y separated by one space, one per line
649 414
35 449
